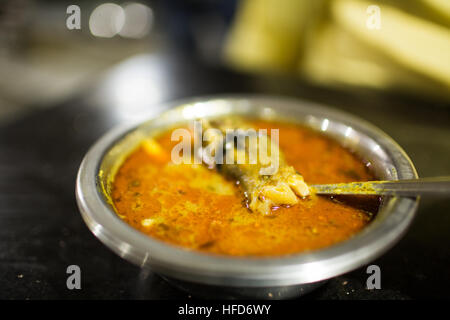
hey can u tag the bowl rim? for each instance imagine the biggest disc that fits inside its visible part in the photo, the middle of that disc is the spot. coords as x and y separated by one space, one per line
294 269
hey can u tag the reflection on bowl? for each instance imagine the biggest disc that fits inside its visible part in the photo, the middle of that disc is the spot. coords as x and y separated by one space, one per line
272 277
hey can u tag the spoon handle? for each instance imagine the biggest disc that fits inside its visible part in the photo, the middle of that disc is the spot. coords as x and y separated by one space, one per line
414 187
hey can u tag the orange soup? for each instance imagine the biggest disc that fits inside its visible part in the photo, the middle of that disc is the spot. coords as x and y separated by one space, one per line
199 209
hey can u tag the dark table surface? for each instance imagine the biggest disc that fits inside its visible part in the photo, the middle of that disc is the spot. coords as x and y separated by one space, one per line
42 232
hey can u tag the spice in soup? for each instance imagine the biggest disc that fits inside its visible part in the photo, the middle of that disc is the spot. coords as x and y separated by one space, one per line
198 208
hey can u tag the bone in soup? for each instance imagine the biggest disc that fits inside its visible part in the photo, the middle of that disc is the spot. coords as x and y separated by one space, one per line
205 209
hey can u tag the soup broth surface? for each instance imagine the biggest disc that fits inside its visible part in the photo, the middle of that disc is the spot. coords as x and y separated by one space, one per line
197 208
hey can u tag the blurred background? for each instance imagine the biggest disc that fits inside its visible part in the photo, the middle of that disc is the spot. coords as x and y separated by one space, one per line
389 46
71 70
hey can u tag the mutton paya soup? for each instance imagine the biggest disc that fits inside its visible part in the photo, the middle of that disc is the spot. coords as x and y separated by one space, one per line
231 208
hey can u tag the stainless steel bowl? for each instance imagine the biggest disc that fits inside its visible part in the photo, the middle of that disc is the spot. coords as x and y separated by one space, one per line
275 277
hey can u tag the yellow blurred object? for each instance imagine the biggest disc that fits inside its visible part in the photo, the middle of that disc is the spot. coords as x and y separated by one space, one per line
442 6
267 34
420 45
357 64
332 43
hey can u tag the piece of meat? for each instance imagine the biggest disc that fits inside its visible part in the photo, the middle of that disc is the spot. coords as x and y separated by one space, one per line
264 176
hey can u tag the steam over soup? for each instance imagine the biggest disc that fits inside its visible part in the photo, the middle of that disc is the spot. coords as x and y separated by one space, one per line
201 208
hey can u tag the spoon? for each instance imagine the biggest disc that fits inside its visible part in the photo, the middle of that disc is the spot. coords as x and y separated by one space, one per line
407 188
